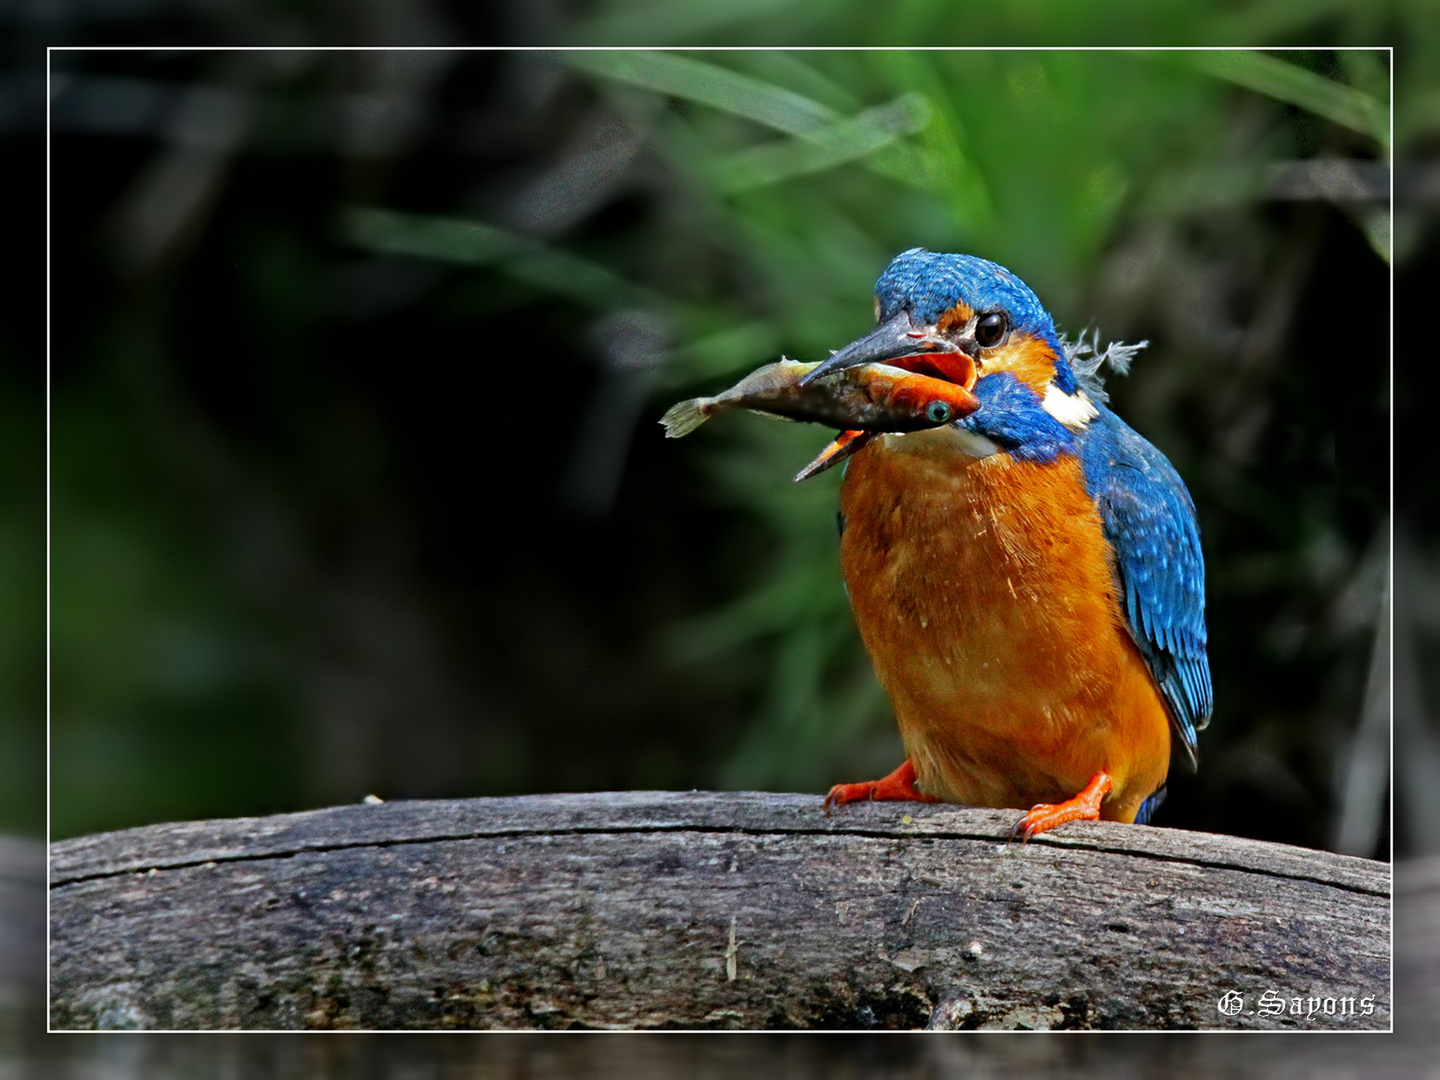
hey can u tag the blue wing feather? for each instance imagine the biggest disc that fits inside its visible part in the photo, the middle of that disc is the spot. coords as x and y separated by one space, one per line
1149 521
1149 806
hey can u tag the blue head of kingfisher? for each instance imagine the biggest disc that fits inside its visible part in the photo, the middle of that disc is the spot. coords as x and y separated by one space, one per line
1028 580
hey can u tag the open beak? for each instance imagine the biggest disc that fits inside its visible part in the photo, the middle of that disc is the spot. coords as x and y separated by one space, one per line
900 343
887 343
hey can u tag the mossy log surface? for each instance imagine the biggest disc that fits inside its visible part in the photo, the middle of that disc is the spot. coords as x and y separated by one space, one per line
706 910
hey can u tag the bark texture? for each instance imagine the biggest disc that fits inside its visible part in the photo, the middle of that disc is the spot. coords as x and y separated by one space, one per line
704 910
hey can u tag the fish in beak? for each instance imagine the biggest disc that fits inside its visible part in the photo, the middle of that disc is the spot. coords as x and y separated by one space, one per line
901 343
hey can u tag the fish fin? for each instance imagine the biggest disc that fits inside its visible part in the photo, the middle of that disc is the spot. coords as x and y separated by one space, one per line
845 444
684 417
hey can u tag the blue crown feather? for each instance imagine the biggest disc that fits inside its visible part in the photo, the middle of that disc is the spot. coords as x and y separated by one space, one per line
930 283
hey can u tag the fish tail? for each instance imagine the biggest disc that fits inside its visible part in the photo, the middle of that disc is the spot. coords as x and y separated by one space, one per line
684 417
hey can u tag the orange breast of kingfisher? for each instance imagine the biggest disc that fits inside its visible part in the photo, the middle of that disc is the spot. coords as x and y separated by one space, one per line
983 592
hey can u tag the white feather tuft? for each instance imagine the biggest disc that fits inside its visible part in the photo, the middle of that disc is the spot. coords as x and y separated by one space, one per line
1086 359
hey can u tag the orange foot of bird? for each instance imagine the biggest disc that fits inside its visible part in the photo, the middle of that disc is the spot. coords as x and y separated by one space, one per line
1083 807
899 786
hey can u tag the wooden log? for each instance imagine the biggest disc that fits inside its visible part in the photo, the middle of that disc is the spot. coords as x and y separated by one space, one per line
703 910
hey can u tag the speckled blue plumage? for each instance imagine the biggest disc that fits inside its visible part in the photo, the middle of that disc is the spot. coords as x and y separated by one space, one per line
1149 521
1011 417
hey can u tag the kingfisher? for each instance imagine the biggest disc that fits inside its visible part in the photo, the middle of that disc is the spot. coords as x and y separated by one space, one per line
1027 580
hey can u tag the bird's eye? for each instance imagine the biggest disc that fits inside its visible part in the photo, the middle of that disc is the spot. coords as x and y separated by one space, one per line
990 329
938 412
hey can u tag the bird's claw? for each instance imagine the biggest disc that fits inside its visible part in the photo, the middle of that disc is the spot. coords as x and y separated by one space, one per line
899 786
1085 806
1024 829
841 794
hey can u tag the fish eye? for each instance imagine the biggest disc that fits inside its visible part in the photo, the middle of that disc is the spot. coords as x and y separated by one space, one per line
938 412
990 329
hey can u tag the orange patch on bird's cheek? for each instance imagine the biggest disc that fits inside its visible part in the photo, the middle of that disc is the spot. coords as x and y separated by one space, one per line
1029 359
955 318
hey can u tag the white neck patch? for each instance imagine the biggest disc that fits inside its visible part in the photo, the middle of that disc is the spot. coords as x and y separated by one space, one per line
1074 411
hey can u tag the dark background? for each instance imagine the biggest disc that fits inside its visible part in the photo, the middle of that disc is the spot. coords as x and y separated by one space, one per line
356 357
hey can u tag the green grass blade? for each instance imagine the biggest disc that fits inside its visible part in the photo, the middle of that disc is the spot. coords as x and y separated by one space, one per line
756 100
1287 82
835 144
708 84
474 244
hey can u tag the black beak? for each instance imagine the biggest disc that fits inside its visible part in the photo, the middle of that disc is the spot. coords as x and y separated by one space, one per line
888 341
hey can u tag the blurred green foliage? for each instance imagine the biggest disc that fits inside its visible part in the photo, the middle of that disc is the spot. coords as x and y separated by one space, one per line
259 481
